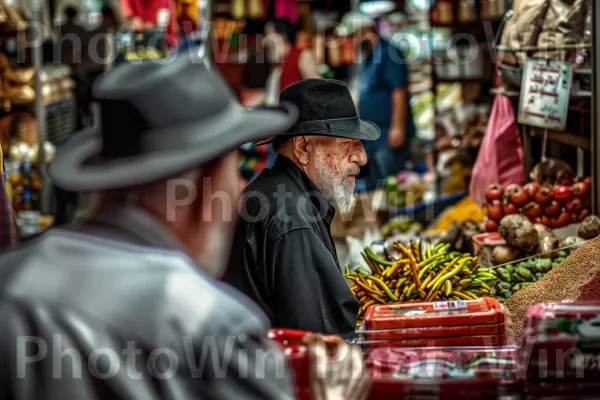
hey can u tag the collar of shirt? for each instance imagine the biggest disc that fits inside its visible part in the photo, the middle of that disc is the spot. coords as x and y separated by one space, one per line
306 185
137 222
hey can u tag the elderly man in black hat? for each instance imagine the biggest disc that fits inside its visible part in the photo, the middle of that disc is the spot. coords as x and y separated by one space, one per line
283 255
124 304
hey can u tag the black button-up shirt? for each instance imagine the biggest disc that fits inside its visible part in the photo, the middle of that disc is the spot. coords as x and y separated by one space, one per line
284 257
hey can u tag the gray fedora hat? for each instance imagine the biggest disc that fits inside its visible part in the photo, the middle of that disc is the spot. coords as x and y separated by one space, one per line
159 119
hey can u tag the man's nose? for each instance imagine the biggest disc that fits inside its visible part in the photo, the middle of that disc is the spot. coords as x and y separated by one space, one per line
360 156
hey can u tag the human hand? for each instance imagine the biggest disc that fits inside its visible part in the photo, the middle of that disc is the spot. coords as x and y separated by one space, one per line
340 376
396 137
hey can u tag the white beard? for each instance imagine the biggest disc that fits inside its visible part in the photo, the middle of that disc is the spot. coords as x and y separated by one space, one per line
335 187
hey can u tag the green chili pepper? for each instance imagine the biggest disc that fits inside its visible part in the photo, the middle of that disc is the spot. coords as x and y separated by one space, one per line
385 288
376 259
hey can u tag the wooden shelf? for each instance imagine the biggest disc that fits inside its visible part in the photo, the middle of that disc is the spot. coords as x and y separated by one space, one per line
464 80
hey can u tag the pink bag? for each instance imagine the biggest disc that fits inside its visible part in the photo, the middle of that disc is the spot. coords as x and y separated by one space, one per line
500 158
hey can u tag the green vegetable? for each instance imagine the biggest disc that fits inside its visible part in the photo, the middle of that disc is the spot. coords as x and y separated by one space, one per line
539 275
562 254
524 273
503 274
516 278
559 259
510 269
504 285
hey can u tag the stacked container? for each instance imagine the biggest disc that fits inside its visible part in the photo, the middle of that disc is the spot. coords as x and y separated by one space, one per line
446 323
444 373
560 350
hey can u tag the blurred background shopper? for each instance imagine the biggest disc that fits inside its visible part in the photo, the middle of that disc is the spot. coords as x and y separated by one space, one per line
383 97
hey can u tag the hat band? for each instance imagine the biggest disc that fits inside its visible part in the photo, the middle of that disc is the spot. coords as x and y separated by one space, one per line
326 125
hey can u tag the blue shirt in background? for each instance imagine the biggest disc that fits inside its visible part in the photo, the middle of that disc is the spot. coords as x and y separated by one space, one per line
384 71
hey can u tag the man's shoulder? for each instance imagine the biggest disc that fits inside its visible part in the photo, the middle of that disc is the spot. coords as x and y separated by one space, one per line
275 202
124 284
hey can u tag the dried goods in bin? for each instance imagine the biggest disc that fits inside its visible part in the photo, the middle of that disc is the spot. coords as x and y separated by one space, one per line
421 273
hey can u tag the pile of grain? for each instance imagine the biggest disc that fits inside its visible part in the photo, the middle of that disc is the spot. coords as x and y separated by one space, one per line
563 283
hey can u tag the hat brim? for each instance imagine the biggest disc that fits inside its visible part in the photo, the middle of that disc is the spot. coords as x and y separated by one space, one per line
79 166
366 130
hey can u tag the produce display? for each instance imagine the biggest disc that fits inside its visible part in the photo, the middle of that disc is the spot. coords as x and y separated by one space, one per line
553 206
420 273
400 224
524 239
402 191
514 277
465 210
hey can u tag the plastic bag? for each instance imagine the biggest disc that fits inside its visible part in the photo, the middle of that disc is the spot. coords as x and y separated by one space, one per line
500 159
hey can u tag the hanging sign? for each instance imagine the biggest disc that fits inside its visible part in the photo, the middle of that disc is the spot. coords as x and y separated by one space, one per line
545 91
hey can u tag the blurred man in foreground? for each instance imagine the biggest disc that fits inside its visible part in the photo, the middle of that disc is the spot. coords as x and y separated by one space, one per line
124 304
383 97
283 255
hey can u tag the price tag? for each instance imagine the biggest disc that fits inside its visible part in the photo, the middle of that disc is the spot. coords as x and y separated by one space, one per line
545 90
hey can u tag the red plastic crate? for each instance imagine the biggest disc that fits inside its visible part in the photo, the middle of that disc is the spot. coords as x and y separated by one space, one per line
561 342
483 311
443 373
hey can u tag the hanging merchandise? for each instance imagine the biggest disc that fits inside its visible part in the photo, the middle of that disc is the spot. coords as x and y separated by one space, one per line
187 15
285 9
238 9
466 11
500 159
144 16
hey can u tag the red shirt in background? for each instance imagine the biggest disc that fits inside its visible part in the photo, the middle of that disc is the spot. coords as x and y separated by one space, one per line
290 70
147 10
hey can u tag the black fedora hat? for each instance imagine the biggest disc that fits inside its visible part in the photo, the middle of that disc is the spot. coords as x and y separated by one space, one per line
325 108
159 119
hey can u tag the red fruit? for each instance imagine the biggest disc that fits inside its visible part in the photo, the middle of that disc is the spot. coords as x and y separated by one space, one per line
562 193
531 189
532 210
537 220
584 214
491 226
588 180
495 211
574 206
553 209
563 220
580 190
511 188
546 220
509 209
493 192
544 195
518 196
574 218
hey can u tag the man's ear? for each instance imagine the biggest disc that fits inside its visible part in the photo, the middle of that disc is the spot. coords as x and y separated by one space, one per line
300 147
